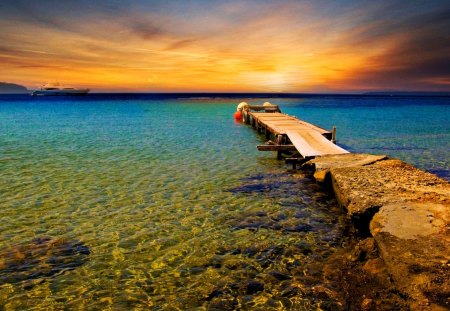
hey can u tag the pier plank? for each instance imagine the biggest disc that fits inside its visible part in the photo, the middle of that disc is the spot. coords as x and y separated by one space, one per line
311 143
277 122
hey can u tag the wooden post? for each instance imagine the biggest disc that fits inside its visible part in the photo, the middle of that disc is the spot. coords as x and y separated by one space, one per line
279 139
333 135
292 161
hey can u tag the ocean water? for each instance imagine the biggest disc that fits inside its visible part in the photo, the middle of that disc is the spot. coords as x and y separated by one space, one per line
163 202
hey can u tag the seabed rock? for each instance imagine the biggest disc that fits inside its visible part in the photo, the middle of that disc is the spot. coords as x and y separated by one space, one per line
43 257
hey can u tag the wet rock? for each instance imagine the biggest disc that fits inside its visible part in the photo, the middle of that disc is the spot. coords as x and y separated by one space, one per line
257 177
375 267
270 185
299 228
293 264
266 185
260 214
279 276
304 247
228 250
216 262
276 226
363 250
250 251
236 264
367 304
302 214
437 290
223 303
236 251
197 270
289 290
254 287
251 225
278 222
325 293
43 257
216 293
279 216
269 255
255 188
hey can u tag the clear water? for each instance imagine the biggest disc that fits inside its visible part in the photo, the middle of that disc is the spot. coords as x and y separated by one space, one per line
175 204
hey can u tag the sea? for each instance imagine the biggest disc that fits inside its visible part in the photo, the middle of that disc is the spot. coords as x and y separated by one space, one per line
163 202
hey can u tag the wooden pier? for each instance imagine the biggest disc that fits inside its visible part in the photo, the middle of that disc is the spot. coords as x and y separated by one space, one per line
287 133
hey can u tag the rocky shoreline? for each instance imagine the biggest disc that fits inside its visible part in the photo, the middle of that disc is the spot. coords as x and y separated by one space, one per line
402 214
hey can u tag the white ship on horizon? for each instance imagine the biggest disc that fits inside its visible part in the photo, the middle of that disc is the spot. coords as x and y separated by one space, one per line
55 89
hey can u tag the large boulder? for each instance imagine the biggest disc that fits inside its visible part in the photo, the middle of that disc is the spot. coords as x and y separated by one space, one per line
414 242
408 213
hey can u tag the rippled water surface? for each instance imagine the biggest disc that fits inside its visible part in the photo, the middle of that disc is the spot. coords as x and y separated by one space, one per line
129 202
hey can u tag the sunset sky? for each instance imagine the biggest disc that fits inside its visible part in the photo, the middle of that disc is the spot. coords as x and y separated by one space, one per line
227 46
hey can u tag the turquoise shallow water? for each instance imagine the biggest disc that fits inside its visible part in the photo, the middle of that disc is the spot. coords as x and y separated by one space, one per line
122 201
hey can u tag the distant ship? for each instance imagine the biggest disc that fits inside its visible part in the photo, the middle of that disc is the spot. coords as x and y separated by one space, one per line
57 90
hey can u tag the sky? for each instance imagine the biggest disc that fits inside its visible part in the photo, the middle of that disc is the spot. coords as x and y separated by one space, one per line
318 46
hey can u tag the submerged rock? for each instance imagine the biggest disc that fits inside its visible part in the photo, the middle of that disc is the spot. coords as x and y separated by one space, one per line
41 258
269 185
254 287
279 275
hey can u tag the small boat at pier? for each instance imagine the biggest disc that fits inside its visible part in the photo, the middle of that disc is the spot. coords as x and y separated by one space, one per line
58 90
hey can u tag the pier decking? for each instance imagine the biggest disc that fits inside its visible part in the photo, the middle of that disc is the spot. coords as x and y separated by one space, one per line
291 133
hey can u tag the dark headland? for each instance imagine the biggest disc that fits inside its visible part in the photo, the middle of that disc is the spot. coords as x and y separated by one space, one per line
12 88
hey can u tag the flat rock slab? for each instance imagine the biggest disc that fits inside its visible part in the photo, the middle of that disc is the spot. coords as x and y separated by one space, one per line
411 220
323 164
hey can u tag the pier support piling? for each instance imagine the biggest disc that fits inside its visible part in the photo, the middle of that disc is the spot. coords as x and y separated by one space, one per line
333 135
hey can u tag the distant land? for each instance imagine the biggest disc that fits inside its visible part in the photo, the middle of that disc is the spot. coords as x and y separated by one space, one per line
12 88
406 93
